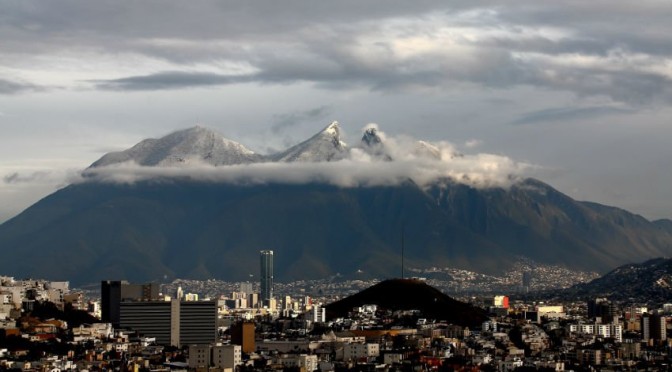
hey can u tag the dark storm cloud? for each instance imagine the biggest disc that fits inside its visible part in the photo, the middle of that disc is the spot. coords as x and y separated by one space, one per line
168 80
635 88
566 114
601 25
376 45
209 20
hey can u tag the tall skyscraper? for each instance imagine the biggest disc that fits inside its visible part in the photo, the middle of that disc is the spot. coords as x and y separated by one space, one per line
527 280
266 277
110 297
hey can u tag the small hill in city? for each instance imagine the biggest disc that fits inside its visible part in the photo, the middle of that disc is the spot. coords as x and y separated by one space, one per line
410 294
646 282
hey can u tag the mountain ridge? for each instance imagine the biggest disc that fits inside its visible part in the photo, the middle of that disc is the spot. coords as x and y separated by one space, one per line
646 282
165 227
183 147
199 144
176 228
326 145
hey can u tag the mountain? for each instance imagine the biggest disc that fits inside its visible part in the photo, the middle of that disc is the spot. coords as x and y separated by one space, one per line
373 145
664 224
371 139
410 294
324 146
181 227
427 150
582 235
183 147
647 282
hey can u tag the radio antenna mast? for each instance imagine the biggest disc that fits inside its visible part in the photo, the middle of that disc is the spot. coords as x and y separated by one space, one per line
402 250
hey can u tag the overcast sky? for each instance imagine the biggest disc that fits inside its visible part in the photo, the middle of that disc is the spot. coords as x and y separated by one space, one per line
579 89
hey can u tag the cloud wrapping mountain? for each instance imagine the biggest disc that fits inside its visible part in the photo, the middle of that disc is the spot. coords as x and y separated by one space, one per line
196 205
324 158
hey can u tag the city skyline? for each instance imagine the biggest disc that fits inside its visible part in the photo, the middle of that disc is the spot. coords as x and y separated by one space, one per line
560 334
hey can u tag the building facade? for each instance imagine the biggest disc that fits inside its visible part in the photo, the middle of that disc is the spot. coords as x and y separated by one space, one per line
114 292
266 278
243 334
173 322
218 356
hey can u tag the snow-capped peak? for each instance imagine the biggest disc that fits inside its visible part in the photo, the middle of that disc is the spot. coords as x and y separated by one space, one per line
196 144
332 130
324 146
427 150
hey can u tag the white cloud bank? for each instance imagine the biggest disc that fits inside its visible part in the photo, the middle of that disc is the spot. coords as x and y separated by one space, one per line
404 158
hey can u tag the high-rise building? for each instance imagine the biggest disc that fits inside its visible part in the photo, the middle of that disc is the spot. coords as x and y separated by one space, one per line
243 334
113 292
136 307
603 309
253 300
172 322
319 314
266 277
646 327
110 297
654 326
247 288
527 280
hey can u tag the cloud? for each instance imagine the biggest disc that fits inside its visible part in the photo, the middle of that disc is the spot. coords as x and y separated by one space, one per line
384 47
567 114
169 80
14 87
419 161
20 189
51 178
18 178
472 143
483 170
382 59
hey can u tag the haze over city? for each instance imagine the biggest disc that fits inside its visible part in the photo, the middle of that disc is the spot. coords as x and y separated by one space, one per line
578 92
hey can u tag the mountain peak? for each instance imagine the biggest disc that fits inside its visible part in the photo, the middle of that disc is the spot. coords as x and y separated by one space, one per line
326 145
371 137
332 129
427 150
195 144
373 144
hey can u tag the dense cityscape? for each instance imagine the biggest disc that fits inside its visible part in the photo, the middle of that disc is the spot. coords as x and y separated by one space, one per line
244 326
335 186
